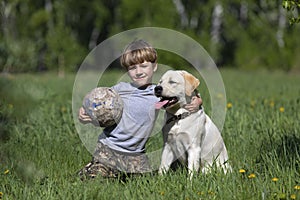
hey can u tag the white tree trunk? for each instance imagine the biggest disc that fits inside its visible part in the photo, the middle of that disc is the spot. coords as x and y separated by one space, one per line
94 38
182 13
281 26
49 8
244 11
216 23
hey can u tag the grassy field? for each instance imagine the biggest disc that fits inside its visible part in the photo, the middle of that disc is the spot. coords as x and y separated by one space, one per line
40 150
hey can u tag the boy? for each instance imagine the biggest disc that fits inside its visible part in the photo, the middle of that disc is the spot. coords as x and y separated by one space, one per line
121 148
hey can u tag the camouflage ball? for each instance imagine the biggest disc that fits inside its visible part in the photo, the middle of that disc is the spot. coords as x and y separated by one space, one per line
104 105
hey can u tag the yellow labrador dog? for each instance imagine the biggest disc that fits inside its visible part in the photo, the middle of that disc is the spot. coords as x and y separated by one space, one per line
191 138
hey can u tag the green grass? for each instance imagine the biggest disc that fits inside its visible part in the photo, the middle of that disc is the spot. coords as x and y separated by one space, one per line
40 150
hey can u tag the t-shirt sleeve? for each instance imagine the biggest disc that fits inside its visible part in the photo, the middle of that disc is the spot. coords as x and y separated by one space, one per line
117 87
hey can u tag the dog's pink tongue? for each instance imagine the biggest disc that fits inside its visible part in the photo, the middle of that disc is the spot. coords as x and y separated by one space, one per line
160 104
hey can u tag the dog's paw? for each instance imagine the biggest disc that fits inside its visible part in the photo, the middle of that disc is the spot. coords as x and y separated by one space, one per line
161 171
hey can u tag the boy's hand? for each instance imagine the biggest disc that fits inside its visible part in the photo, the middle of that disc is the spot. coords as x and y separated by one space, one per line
193 107
83 117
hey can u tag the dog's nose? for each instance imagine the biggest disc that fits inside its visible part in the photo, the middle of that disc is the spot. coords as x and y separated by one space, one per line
158 90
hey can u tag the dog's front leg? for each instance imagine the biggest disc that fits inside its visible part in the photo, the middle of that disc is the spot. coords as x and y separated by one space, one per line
193 160
166 159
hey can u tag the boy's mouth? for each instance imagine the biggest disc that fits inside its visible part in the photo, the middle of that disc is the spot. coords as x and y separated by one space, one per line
140 77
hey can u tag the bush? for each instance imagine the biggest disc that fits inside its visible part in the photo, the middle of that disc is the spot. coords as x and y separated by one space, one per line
18 55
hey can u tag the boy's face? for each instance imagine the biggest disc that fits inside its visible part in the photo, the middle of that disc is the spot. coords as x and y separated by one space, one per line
141 74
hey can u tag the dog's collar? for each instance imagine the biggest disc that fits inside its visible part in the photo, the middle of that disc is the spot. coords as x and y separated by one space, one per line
184 114
178 117
197 94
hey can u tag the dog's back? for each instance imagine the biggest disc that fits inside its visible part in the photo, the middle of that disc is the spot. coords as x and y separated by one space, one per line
213 149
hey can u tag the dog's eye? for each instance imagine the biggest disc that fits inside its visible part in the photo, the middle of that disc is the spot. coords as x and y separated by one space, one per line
172 82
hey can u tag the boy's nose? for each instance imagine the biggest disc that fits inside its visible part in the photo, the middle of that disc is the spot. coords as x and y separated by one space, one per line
138 70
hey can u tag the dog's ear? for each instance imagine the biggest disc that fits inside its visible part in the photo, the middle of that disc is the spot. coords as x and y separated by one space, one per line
191 82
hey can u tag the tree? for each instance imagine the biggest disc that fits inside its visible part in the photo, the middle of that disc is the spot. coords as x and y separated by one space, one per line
55 35
292 7
63 51
16 48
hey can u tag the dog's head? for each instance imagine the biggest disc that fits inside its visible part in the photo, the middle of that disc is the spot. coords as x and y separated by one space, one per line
173 88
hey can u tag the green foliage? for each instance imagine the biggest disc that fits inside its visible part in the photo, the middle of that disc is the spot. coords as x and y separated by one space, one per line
17 55
154 14
39 18
292 5
251 56
63 54
63 50
59 34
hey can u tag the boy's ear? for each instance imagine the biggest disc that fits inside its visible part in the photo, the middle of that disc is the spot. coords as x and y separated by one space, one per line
191 82
155 67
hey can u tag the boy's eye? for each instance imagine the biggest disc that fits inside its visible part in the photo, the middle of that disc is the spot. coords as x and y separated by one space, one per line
132 67
144 66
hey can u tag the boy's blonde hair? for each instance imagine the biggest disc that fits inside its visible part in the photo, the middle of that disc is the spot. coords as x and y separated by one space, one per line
137 52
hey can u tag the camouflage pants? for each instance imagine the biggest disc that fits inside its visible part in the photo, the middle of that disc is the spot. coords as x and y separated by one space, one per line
109 163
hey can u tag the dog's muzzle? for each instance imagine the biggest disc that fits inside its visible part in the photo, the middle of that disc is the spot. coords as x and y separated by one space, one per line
164 101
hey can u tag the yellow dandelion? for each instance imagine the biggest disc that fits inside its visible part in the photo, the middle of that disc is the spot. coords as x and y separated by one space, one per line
274 179
242 171
229 105
281 196
297 187
272 103
1 194
220 96
252 103
63 109
281 109
200 193
6 171
251 175
293 196
162 193
10 106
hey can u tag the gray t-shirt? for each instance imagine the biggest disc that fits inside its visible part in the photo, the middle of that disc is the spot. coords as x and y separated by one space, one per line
137 122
